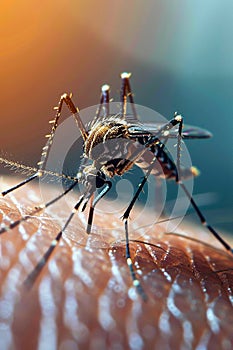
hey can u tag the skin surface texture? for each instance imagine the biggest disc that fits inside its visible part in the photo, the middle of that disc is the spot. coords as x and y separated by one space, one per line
84 298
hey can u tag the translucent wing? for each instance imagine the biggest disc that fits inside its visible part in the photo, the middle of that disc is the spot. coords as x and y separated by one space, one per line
189 131
194 132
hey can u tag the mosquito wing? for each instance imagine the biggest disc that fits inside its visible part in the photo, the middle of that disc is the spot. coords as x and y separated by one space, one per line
195 132
188 132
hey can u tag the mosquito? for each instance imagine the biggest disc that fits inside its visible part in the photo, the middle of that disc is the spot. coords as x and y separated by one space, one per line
101 164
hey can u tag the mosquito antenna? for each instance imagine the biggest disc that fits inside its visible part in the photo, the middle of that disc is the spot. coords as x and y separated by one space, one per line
18 166
37 173
26 168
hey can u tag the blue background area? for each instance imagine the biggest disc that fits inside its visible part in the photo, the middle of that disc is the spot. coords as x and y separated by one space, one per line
180 53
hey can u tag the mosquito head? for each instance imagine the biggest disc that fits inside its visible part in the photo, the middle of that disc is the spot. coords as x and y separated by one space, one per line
91 177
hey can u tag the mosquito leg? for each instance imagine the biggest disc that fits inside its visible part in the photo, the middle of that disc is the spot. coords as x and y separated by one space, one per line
139 190
105 189
24 182
91 215
39 173
104 103
125 77
126 92
45 151
179 140
105 92
65 98
141 185
31 278
37 210
136 282
179 120
203 220
164 132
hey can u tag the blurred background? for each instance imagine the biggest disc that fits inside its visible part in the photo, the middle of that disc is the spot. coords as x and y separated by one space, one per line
180 54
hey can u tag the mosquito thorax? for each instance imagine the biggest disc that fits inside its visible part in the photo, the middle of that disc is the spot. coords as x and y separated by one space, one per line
91 176
108 146
109 128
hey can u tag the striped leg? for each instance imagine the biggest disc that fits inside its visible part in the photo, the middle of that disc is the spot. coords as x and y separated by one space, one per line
125 217
203 220
37 210
45 150
32 277
105 189
126 92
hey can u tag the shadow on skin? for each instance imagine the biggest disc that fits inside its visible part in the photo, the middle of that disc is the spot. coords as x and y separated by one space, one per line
84 296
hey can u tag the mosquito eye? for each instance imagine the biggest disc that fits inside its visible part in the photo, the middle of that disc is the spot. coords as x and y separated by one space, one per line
99 182
99 179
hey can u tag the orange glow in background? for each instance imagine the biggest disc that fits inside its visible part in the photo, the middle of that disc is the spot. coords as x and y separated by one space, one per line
180 57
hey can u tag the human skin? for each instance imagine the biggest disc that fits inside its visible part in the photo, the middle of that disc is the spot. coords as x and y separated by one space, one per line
84 298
